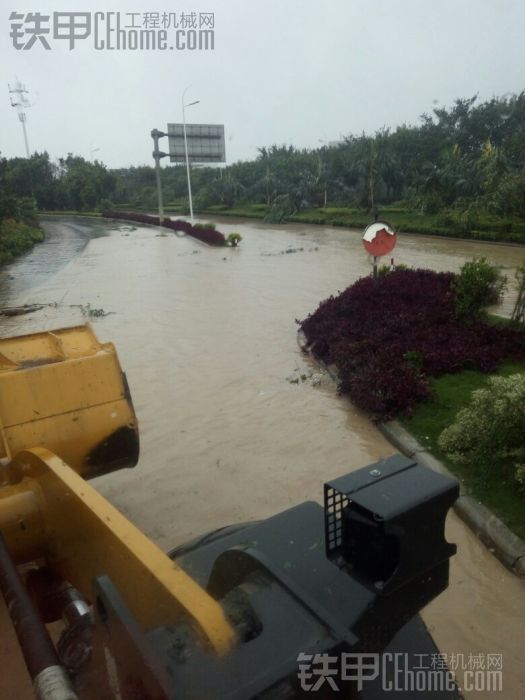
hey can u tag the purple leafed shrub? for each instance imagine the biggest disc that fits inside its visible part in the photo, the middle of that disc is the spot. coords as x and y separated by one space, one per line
178 225
387 336
132 216
207 235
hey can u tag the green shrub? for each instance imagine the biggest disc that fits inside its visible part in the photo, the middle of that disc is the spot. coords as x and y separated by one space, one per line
489 433
207 225
478 285
233 239
17 237
385 269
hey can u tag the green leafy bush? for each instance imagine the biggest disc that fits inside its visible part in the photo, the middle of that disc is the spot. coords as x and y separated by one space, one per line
233 239
207 225
386 269
489 433
17 237
478 285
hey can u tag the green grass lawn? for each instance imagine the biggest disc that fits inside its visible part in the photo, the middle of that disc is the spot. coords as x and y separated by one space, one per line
452 392
69 212
488 227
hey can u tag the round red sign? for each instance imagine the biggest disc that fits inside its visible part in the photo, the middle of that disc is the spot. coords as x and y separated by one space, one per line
379 238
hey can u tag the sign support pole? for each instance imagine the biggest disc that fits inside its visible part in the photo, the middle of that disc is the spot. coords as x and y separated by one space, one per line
157 155
188 170
379 239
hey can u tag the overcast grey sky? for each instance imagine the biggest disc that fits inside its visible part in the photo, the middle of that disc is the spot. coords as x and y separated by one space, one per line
287 71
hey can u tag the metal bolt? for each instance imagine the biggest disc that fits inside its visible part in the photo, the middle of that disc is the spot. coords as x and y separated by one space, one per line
375 472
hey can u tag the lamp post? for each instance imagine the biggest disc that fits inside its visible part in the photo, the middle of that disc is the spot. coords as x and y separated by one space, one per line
322 166
93 150
186 147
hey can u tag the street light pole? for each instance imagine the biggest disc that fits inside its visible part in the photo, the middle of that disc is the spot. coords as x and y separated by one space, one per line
322 166
186 148
22 118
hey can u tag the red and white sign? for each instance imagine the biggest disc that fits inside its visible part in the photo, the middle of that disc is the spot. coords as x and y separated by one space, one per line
379 239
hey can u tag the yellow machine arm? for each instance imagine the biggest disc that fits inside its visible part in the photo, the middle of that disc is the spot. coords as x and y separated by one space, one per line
65 416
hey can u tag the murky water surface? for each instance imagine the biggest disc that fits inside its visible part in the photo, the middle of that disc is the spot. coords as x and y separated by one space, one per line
208 341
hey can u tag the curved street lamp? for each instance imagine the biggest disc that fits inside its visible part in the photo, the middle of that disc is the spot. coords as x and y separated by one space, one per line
186 147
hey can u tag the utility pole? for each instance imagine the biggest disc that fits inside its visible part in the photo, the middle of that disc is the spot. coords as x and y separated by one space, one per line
18 97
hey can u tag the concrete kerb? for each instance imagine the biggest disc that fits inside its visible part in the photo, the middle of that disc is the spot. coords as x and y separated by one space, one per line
497 537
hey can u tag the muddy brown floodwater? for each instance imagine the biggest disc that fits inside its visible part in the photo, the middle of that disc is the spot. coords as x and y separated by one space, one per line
207 338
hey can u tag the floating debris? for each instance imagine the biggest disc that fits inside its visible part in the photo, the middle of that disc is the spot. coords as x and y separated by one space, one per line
88 311
299 376
289 251
85 309
20 310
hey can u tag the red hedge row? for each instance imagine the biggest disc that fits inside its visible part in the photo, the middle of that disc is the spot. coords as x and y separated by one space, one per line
387 336
207 235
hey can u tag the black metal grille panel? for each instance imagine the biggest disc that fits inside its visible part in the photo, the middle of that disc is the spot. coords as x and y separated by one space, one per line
334 504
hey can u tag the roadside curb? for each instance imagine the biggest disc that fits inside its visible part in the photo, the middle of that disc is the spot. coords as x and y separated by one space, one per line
494 534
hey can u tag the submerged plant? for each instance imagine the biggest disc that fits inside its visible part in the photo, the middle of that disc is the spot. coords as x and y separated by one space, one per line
233 239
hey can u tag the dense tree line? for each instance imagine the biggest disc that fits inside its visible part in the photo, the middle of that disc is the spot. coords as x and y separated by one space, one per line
19 229
470 158
70 183
466 159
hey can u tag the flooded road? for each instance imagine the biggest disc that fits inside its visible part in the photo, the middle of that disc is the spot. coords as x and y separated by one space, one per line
208 341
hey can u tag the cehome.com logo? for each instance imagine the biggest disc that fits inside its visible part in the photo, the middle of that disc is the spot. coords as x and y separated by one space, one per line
114 31
402 672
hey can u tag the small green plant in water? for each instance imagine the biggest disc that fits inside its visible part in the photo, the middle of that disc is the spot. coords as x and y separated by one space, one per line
233 239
